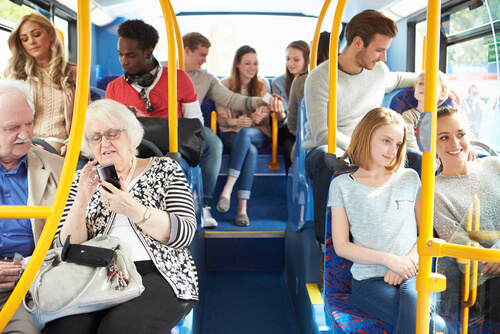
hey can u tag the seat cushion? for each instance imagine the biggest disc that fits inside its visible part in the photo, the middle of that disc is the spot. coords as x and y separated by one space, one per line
346 318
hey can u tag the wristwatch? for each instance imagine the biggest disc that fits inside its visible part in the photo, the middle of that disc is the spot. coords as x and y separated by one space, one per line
146 216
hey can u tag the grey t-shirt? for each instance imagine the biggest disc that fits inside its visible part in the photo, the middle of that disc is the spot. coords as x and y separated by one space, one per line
381 219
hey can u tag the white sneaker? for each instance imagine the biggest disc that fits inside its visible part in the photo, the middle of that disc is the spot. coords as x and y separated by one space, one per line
208 220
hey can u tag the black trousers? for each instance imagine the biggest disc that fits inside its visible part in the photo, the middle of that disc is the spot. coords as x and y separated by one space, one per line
157 310
286 140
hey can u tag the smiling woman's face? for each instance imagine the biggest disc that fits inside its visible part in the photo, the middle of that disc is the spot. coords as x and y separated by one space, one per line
452 142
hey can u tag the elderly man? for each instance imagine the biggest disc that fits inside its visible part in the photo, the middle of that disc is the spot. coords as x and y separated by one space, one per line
28 176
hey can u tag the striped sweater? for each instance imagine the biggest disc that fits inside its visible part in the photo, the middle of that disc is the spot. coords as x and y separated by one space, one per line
163 186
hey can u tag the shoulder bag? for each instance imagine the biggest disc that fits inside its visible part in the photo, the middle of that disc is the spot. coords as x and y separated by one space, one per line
191 134
82 278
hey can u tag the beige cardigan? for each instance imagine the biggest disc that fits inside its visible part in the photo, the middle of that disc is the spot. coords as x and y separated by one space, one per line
224 113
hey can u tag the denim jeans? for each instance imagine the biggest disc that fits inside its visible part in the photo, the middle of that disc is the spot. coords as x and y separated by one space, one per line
243 146
394 305
210 165
321 176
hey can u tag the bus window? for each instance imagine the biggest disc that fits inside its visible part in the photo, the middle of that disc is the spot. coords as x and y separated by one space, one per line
9 15
472 16
472 66
228 32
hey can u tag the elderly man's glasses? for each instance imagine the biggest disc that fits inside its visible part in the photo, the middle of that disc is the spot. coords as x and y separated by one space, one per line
111 134
147 104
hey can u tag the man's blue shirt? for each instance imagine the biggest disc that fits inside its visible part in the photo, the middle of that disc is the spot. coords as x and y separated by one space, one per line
16 235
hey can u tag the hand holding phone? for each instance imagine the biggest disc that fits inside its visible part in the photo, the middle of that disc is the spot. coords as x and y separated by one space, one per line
108 173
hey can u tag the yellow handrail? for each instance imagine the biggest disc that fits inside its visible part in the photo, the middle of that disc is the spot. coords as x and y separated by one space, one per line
274 163
469 282
178 38
317 31
54 213
172 79
334 57
426 281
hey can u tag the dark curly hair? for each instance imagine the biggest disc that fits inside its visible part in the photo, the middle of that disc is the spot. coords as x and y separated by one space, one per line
146 34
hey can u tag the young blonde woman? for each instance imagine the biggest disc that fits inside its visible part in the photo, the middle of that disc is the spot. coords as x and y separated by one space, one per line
38 58
379 205
243 133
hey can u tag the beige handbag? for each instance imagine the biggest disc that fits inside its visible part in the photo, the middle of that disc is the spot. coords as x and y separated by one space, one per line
63 288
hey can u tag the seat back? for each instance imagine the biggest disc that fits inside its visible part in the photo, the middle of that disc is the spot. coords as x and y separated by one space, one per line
103 82
403 99
299 192
338 275
96 93
207 106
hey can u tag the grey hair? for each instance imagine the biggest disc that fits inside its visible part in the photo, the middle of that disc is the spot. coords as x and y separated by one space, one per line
116 116
21 87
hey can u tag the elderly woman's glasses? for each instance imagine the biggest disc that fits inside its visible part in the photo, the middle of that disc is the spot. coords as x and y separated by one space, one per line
147 104
111 134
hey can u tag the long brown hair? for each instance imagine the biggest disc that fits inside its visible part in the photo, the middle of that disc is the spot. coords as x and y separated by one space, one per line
304 48
255 85
23 66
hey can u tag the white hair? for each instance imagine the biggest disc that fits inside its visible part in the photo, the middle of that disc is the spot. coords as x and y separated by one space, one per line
21 87
117 116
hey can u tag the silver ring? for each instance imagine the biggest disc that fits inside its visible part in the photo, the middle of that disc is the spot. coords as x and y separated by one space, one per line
107 203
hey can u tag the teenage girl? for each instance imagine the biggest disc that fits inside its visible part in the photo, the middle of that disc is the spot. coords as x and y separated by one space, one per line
379 205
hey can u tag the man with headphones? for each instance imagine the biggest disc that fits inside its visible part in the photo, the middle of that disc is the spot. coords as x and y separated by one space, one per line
144 84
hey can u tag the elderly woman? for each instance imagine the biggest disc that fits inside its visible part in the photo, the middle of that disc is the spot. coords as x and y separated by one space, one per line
152 214
38 58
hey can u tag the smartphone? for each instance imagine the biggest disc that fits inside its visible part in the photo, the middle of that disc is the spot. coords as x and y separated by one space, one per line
267 98
108 174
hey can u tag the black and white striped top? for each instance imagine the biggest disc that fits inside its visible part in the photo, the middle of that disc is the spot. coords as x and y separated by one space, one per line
163 186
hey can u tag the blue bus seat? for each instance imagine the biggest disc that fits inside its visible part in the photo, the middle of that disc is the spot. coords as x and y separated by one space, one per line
403 99
103 82
299 187
342 313
96 93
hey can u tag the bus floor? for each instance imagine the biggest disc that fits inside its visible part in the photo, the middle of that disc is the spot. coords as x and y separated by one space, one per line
244 289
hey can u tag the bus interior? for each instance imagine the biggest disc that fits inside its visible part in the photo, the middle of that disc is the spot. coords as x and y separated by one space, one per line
270 277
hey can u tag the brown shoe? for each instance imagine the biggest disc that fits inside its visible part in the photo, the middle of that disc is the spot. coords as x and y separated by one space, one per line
242 220
223 204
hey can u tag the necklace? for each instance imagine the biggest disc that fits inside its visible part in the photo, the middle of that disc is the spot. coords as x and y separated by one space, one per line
131 173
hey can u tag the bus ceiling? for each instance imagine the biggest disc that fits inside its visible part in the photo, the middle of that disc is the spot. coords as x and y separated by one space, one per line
104 12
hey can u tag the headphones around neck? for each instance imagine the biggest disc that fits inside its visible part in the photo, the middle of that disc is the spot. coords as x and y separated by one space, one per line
143 80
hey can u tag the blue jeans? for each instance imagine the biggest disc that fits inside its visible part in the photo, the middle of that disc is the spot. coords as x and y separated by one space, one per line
394 305
210 163
243 146
321 176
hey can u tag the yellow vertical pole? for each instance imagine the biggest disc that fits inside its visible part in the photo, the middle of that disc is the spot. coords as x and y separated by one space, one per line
54 214
172 78
178 37
334 58
424 50
427 195
274 164
317 31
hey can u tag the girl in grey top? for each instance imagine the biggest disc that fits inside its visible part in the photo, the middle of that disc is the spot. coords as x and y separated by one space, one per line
468 183
379 205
